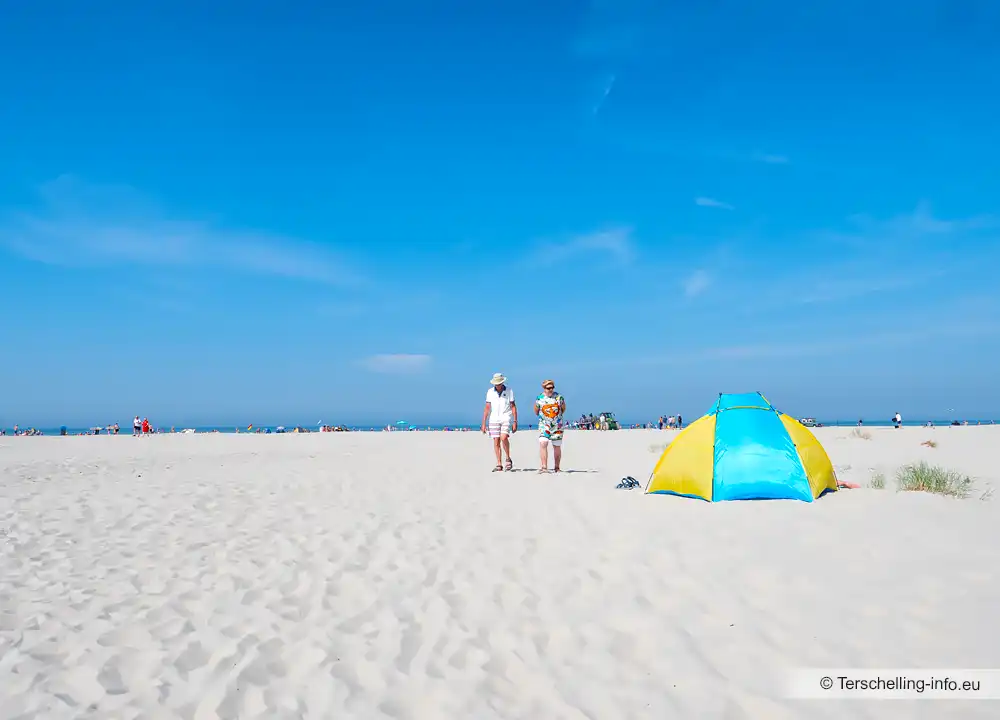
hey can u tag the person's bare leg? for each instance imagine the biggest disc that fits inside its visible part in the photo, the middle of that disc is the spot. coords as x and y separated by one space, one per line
543 456
496 451
557 456
506 447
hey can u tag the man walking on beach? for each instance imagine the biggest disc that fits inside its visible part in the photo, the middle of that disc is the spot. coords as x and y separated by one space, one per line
500 418
136 426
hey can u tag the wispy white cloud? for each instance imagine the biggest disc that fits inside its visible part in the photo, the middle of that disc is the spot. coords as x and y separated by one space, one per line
614 244
696 283
827 287
804 348
906 252
835 346
80 224
405 301
907 228
397 364
608 87
771 159
611 34
867 257
712 203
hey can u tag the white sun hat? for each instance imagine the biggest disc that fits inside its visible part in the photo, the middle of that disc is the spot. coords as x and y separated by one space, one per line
498 379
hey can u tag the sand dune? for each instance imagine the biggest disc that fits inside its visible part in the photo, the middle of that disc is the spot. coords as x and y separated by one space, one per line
392 575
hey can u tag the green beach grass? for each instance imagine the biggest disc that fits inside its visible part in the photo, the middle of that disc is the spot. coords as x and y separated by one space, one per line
924 477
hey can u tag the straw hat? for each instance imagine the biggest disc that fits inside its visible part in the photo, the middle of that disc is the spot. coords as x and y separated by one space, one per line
498 379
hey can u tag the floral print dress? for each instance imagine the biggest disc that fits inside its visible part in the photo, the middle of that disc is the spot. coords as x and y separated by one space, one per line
550 416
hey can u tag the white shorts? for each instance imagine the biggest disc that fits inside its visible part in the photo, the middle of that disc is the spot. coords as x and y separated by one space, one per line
499 427
554 443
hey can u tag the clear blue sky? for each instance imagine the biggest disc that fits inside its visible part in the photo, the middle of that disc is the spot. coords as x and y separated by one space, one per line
292 212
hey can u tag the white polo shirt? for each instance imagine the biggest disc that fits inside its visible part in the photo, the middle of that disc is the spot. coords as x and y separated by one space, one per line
500 404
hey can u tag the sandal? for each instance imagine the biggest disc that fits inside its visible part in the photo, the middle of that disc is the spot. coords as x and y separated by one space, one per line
498 468
510 465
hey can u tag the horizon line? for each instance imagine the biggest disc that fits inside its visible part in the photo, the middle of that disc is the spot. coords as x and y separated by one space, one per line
227 427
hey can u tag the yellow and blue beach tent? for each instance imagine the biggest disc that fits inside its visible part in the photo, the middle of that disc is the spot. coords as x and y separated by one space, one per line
744 449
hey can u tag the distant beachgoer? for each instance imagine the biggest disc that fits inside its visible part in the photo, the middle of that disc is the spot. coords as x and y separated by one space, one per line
145 426
897 420
136 426
671 420
680 422
550 407
500 419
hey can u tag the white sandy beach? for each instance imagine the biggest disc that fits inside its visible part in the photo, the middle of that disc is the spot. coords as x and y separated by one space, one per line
392 575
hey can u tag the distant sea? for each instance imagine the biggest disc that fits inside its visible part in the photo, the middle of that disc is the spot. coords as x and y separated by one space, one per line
457 426
232 429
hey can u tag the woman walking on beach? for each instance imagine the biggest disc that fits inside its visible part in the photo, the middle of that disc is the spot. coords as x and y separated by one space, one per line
500 418
550 407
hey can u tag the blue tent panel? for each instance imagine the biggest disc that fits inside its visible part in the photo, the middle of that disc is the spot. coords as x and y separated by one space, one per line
728 401
755 459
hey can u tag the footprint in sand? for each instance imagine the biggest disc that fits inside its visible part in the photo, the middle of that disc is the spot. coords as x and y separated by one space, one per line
194 656
133 636
431 579
242 701
47 652
409 646
77 687
110 678
263 669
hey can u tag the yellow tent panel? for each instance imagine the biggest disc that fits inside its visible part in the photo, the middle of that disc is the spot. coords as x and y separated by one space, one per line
816 462
685 468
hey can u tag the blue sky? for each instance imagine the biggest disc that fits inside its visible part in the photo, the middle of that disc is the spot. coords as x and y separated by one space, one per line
292 212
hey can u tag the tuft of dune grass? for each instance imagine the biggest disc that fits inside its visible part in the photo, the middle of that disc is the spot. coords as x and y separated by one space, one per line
860 434
877 481
924 477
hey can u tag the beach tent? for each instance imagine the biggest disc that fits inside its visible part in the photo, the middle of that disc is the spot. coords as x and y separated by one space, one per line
744 449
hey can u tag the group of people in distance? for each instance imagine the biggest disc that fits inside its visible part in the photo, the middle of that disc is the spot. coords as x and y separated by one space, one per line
500 421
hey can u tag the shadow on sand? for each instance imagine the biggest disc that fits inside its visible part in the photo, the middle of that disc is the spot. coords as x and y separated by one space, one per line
550 472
